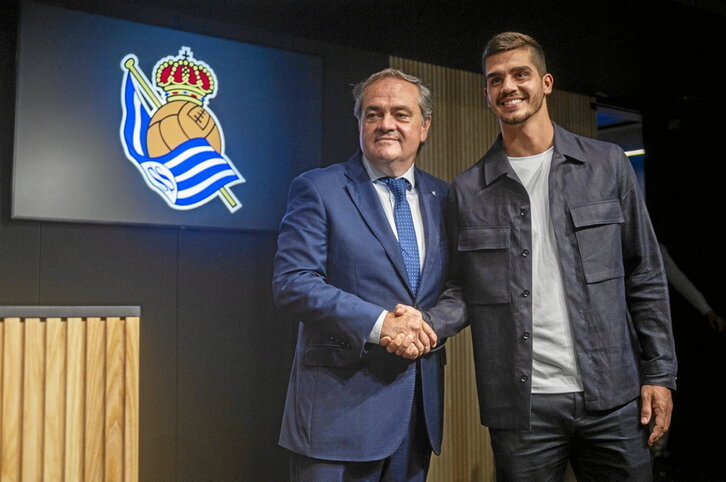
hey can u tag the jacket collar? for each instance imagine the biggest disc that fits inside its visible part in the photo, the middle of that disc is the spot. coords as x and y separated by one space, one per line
363 194
496 163
369 206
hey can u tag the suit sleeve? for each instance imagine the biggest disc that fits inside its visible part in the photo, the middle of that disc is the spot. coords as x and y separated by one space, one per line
645 284
299 283
448 316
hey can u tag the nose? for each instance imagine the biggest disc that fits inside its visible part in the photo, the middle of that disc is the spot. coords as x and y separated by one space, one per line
386 123
508 84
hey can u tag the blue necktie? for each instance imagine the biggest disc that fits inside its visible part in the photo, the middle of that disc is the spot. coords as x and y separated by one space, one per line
406 231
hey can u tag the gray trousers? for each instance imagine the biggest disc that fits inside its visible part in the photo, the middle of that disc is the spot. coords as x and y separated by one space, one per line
609 445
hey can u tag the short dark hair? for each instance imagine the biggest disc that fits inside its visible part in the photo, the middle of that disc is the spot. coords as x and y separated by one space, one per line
507 41
425 100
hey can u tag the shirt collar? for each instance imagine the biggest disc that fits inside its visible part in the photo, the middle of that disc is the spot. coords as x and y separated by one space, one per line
566 146
375 174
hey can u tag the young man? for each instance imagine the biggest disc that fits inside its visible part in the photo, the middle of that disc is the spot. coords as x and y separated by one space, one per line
554 256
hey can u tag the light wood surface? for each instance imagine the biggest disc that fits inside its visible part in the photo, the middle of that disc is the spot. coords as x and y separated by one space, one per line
69 396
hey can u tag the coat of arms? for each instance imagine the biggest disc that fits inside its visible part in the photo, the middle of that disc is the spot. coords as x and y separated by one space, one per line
171 135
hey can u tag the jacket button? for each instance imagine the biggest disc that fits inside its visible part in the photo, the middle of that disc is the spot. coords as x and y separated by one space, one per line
525 253
525 293
523 378
525 335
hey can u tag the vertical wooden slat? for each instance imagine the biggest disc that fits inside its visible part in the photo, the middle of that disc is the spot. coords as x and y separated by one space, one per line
2 329
12 399
114 425
131 402
95 398
75 400
55 383
33 401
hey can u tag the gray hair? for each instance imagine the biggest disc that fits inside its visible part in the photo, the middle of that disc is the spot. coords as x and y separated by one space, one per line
425 100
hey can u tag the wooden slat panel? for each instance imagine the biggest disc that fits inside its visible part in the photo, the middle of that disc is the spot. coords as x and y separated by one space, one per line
131 401
114 425
75 399
95 398
33 388
2 330
54 420
69 399
12 399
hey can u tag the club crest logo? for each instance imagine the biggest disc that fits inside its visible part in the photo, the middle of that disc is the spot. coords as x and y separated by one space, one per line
169 133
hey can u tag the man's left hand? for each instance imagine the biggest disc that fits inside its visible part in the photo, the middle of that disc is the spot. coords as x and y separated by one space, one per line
656 402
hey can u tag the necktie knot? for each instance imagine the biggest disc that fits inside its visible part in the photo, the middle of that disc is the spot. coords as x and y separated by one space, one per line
398 186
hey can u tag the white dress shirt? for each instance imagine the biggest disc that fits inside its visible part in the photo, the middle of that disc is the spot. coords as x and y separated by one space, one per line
388 202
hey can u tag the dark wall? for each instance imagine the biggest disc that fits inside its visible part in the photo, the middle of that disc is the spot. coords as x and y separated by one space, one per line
215 353
685 190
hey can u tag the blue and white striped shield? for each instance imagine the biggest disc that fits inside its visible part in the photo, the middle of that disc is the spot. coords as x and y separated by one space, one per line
187 177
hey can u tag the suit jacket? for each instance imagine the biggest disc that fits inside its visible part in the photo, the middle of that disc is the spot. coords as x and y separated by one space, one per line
613 277
338 266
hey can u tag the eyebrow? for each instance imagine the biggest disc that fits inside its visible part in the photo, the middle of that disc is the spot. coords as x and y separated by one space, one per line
513 69
395 108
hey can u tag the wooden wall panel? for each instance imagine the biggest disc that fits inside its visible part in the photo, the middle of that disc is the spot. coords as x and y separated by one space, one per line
95 390
12 393
131 400
462 130
114 416
69 399
75 400
55 373
33 392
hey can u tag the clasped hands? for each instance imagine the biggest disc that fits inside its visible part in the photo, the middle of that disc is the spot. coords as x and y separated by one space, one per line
405 333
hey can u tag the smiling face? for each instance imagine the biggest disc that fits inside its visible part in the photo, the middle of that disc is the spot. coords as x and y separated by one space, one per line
391 125
515 90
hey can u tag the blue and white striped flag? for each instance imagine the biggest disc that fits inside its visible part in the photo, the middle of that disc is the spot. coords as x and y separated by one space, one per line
187 177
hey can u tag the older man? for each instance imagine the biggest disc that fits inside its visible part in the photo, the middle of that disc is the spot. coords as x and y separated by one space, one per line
365 396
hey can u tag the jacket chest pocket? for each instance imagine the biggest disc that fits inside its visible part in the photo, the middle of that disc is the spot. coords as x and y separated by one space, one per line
597 228
484 262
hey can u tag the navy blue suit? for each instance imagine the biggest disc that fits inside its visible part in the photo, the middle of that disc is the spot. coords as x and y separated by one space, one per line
338 266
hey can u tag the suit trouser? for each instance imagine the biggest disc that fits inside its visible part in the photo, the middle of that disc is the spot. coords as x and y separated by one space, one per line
409 463
600 445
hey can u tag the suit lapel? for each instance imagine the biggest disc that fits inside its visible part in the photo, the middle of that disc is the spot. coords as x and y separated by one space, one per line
366 200
431 215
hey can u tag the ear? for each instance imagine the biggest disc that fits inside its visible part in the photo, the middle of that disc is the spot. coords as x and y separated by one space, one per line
425 129
548 82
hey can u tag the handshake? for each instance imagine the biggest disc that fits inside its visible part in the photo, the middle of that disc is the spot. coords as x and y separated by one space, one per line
405 333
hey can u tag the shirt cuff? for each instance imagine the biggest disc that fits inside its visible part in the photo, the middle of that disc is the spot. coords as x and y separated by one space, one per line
375 335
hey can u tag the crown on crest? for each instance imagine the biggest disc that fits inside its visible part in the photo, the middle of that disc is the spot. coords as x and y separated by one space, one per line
184 78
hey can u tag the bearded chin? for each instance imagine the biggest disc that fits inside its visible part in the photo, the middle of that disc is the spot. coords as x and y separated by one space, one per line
520 118
515 120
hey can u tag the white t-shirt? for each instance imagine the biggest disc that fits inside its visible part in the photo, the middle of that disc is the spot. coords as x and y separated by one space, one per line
554 364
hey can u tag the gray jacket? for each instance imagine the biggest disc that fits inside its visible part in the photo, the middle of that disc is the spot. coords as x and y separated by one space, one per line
613 277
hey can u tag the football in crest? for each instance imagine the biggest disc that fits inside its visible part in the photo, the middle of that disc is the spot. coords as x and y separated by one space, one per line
176 122
187 85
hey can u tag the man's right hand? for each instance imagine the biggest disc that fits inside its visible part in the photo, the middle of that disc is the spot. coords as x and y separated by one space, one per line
405 333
